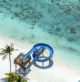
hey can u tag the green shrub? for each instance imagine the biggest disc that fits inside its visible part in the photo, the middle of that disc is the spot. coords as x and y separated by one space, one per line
14 77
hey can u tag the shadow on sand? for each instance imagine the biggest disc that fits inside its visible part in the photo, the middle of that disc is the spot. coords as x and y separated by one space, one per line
43 64
28 67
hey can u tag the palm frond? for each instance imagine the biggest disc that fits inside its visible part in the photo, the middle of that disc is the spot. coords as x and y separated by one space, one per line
8 49
2 53
4 56
1 48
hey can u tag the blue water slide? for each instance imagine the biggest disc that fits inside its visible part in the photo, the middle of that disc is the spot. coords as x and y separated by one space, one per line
39 48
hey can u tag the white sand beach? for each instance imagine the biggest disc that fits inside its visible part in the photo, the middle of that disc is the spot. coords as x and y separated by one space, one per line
58 72
55 22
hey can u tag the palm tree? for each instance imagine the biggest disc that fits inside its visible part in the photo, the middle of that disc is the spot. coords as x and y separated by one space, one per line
7 51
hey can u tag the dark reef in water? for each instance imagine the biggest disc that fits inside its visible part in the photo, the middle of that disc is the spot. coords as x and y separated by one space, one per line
21 10
57 17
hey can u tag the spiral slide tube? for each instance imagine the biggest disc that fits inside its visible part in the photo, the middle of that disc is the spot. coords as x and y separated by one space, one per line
40 46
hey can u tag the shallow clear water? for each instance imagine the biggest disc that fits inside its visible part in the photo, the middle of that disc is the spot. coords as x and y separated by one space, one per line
55 22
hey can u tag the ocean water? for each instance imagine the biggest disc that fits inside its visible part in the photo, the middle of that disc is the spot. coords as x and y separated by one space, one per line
55 22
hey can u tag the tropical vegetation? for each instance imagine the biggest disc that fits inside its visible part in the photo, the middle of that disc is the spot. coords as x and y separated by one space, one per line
7 51
14 77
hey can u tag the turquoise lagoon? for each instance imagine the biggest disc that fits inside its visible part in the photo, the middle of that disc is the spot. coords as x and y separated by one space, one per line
55 22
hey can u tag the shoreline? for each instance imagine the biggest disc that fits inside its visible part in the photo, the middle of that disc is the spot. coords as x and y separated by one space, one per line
59 67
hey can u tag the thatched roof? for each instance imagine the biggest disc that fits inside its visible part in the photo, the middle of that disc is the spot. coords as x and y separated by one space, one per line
18 60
